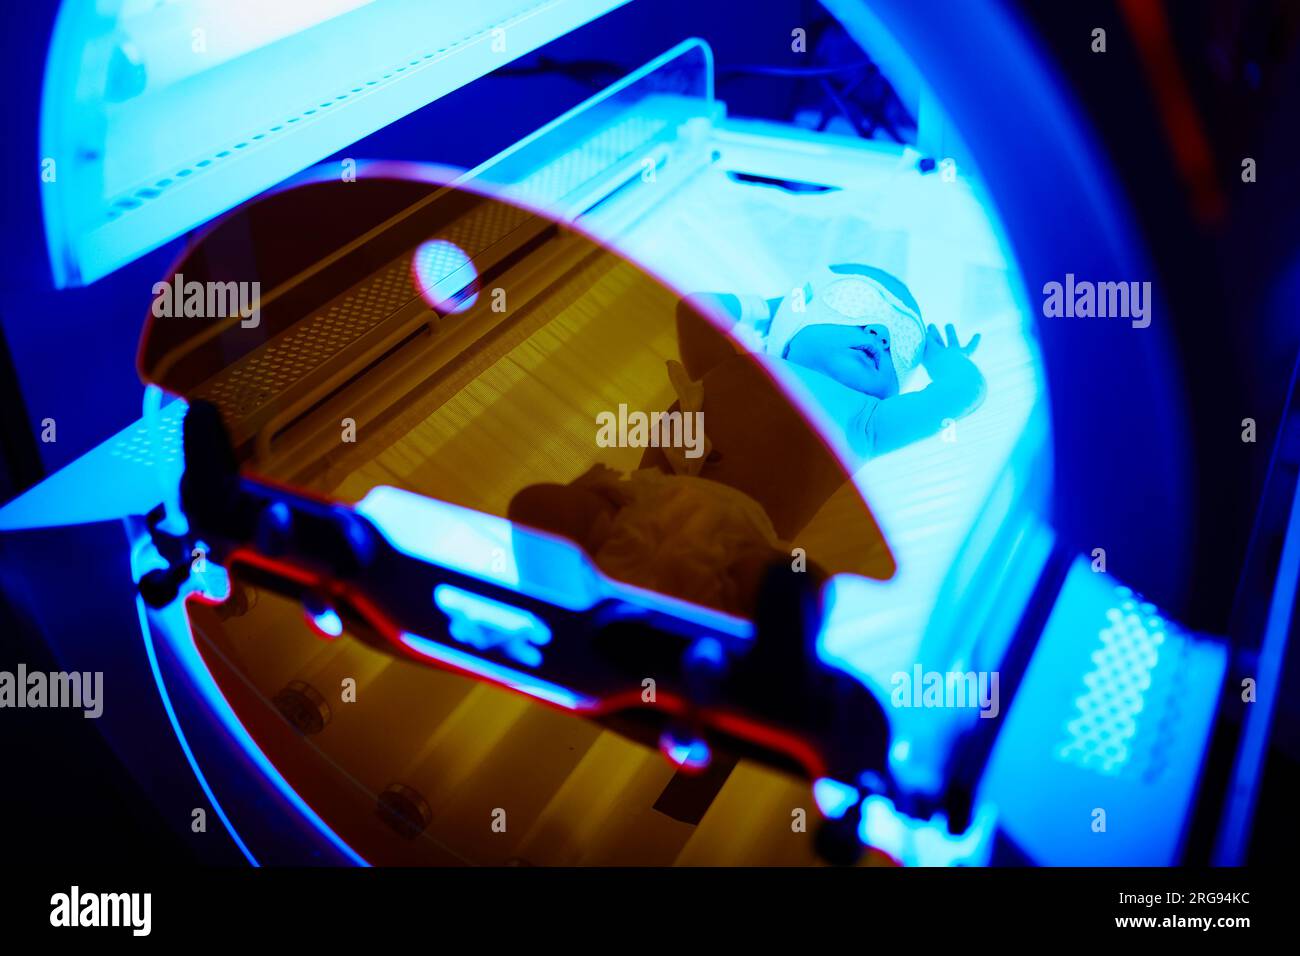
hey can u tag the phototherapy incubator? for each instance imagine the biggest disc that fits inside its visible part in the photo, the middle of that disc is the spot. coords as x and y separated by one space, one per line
366 274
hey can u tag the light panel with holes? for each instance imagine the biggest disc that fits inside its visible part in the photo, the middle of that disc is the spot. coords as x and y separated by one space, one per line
1101 754
157 118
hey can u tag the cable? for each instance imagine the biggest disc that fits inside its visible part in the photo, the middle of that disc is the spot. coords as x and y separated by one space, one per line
799 71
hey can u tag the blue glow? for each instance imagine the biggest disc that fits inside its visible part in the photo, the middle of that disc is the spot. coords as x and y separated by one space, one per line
145 631
516 680
545 169
833 798
213 581
530 562
125 475
343 69
1233 837
1110 716
1098 735
327 621
166 470
688 753
707 651
506 562
484 623
745 241
925 842
174 626
443 273
1092 229
483 546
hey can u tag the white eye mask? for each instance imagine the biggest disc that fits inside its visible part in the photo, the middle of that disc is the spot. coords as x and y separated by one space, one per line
834 298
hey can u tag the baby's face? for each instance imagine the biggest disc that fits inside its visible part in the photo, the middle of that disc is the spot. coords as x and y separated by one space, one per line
856 356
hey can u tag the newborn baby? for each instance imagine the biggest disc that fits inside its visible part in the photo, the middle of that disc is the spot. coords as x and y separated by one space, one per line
705 528
851 337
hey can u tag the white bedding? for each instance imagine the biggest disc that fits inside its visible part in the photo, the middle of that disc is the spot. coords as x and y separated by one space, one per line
715 234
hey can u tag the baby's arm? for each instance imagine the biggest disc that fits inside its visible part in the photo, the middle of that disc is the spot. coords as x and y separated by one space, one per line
956 389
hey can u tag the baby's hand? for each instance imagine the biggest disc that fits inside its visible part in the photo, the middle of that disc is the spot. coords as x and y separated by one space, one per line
941 356
949 362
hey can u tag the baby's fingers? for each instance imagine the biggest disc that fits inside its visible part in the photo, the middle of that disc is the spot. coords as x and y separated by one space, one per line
933 337
971 345
952 335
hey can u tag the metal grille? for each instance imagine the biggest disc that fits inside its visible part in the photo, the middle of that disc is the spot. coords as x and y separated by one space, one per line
160 445
1101 736
279 365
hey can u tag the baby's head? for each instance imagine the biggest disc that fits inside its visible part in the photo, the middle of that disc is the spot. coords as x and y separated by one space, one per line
857 324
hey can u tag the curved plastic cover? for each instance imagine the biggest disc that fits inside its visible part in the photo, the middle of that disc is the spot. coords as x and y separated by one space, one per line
393 331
